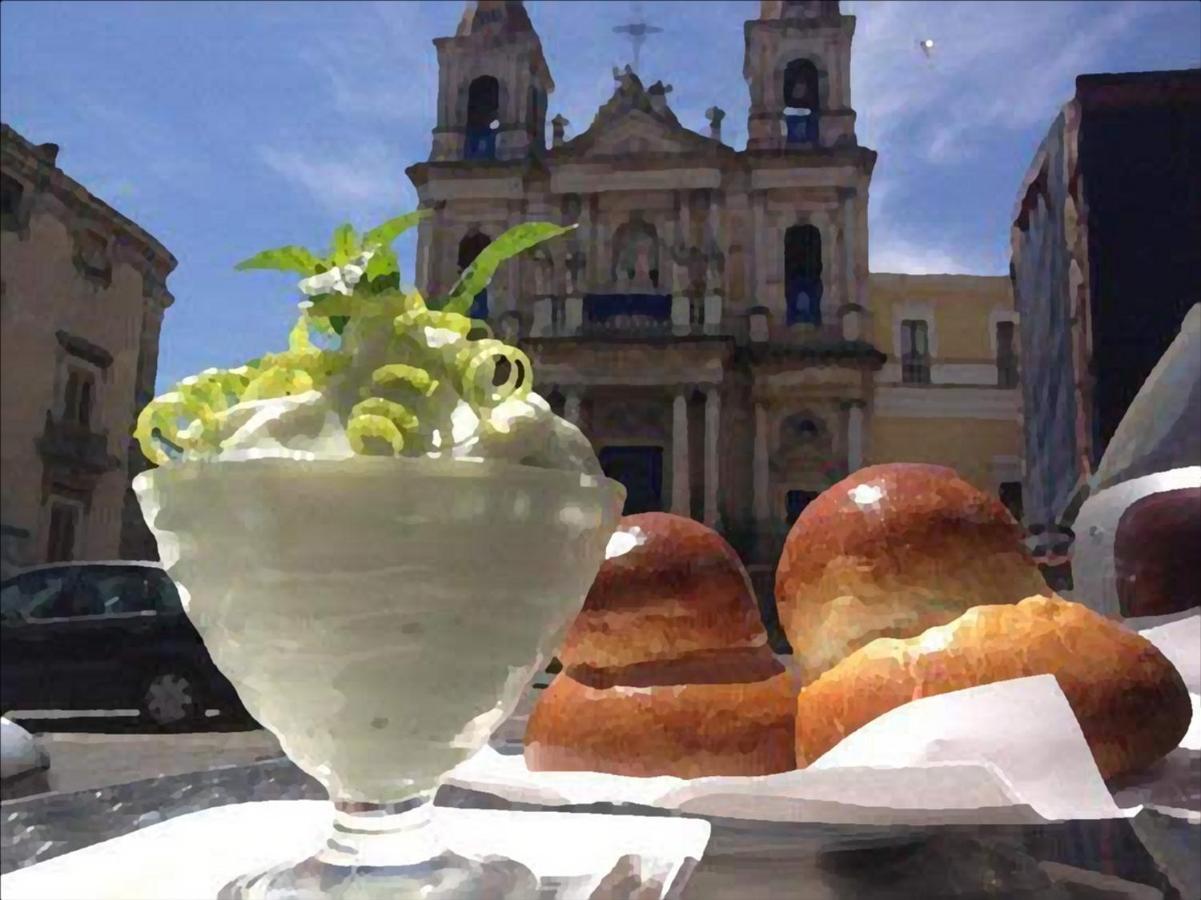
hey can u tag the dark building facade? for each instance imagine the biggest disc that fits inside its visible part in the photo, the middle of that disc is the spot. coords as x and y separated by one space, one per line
1106 262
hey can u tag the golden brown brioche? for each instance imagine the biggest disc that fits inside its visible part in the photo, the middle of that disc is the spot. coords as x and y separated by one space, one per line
1132 704
891 551
685 730
666 670
678 588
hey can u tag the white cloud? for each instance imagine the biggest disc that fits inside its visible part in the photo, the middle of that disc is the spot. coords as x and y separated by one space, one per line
1003 67
376 69
895 254
367 182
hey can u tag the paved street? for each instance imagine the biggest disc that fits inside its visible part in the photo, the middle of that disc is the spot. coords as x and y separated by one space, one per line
90 761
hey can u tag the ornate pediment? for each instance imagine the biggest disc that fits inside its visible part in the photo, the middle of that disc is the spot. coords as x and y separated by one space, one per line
636 120
637 132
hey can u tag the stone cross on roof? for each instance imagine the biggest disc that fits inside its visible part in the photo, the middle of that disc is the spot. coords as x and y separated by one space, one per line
637 32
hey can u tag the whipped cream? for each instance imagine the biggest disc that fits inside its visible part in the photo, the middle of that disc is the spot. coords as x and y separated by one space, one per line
307 426
311 425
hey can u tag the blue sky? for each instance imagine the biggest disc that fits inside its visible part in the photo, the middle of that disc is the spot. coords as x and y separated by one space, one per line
226 128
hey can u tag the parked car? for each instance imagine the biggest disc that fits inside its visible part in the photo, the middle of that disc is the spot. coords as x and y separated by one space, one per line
102 636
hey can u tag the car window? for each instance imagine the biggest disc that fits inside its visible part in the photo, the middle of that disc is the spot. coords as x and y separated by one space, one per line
77 598
122 590
163 589
25 593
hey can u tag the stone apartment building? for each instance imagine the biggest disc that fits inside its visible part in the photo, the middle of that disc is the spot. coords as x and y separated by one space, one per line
1106 262
82 296
711 324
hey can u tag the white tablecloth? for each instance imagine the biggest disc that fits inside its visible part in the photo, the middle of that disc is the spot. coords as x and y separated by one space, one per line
194 856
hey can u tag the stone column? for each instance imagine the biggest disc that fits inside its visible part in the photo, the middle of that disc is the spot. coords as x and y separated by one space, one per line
714 276
715 214
861 267
571 406
685 234
541 324
712 449
762 502
854 410
587 240
848 265
681 492
759 266
573 314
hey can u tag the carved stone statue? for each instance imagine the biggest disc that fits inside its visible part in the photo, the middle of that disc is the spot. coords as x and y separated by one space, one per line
679 269
575 268
713 272
542 275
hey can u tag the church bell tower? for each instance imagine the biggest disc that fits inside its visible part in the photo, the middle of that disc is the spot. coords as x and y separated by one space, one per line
493 84
798 69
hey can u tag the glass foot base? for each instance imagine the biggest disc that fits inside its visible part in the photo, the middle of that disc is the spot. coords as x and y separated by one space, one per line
443 877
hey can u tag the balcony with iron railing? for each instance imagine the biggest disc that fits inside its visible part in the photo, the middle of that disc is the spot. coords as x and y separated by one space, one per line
76 445
628 315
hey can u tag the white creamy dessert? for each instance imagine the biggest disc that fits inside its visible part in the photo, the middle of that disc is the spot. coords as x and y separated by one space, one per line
375 540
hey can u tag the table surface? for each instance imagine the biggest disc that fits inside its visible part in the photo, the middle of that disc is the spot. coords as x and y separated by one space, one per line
1150 856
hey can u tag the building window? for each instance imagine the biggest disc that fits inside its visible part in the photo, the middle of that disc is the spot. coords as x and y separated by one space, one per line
483 109
469 248
93 255
1011 496
1007 360
803 275
800 102
65 518
797 432
915 351
11 192
79 397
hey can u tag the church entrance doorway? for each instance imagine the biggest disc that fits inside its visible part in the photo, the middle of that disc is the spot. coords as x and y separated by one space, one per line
640 469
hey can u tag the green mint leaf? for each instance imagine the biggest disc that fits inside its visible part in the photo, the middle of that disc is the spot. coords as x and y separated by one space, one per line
383 235
285 259
346 245
381 264
338 323
478 275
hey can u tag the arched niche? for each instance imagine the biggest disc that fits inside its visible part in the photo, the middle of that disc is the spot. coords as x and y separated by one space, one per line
635 265
483 117
803 285
471 246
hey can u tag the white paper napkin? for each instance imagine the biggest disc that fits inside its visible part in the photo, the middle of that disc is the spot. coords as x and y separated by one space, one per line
194 856
1004 752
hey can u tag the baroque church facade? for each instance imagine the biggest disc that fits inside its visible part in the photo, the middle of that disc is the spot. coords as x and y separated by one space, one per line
709 324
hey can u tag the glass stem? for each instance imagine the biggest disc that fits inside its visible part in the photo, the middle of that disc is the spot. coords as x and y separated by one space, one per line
373 834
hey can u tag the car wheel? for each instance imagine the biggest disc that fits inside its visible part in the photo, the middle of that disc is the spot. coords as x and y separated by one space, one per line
172 699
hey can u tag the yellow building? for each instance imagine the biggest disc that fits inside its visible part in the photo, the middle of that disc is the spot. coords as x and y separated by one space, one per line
949 391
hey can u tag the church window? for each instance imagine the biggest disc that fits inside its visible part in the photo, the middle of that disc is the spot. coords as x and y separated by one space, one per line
803 274
469 248
915 351
1011 496
483 110
1007 361
800 102
799 431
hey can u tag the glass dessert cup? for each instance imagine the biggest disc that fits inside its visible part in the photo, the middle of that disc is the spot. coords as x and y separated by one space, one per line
381 617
